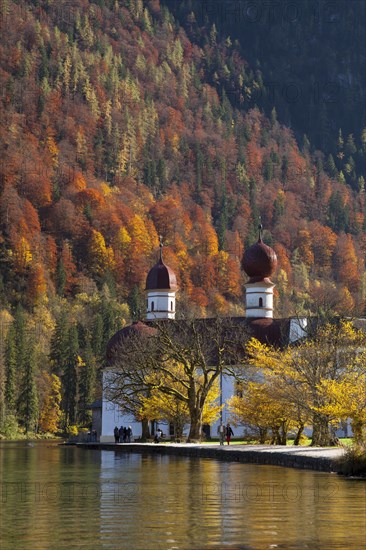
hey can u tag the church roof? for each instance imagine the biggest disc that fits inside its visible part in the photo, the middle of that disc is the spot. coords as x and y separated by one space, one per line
275 332
161 276
259 260
137 328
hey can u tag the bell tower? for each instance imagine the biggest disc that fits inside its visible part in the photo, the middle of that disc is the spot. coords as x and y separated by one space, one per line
161 288
259 263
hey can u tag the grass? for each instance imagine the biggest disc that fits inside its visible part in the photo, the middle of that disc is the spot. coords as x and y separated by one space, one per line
347 442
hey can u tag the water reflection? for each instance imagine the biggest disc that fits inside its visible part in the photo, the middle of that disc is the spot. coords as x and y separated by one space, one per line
63 497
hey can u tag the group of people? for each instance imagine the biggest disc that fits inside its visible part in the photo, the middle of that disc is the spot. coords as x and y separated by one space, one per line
225 432
158 435
122 434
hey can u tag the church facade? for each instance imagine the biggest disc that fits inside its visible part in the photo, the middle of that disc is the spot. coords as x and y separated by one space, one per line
259 263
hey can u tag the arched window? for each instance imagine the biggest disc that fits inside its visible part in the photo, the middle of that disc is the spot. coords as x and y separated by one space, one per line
260 302
152 306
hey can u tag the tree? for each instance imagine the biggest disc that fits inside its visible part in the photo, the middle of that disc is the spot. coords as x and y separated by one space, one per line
331 352
70 377
101 256
261 407
59 343
202 348
28 396
157 405
11 371
50 412
346 398
87 384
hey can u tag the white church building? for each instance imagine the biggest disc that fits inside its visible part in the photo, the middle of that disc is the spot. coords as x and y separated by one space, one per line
259 263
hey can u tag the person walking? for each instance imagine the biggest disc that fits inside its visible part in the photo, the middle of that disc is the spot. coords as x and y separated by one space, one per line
229 433
221 432
129 434
121 432
116 434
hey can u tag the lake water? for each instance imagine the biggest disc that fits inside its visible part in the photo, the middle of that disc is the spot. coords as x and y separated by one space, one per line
57 497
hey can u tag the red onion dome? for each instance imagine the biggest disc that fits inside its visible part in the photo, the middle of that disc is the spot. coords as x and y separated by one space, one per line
259 261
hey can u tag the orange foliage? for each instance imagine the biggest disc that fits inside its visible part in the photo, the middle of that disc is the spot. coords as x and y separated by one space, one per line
324 242
36 284
199 297
228 275
89 196
303 244
165 215
346 262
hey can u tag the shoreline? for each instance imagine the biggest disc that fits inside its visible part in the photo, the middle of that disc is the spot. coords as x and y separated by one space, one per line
323 459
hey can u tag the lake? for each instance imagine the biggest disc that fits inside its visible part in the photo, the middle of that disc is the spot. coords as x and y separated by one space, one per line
61 497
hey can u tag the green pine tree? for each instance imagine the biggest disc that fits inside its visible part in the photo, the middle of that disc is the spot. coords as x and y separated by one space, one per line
70 377
11 370
60 278
59 343
28 398
97 336
20 337
87 384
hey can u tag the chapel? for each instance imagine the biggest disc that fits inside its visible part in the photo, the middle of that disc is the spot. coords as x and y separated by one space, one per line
259 262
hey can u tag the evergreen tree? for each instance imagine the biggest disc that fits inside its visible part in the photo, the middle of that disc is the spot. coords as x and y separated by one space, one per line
350 147
28 397
136 304
10 368
20 338
60 277
70 377
331 167
87 384
59 342
97 336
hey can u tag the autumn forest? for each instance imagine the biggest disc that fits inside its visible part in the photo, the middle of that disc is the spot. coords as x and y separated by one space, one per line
118 125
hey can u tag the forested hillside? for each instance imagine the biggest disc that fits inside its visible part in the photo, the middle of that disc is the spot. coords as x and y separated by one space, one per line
311 54
115 129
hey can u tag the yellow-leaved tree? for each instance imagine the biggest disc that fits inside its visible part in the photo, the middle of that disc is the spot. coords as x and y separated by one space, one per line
162 406
346 398
101 257
330 356
261 407
50 413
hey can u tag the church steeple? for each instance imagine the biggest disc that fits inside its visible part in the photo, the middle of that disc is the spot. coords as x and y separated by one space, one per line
161 287
259 263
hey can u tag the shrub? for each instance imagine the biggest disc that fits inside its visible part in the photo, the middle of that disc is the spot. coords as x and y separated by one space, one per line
9 428
354 461
72 430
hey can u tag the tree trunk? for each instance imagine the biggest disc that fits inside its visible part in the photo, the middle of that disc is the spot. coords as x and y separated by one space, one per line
298 435
145 429
321 434
263 432
195 431
357 429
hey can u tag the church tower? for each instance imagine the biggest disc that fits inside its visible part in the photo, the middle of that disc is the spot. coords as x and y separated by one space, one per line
161 287
259 263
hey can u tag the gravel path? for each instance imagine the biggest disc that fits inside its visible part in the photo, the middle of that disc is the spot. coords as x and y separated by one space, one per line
313 458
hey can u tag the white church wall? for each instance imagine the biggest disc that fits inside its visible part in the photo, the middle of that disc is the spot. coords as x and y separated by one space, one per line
113 416
228 390
297 328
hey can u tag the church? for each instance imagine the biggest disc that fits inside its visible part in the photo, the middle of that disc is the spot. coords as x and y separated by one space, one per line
259 262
